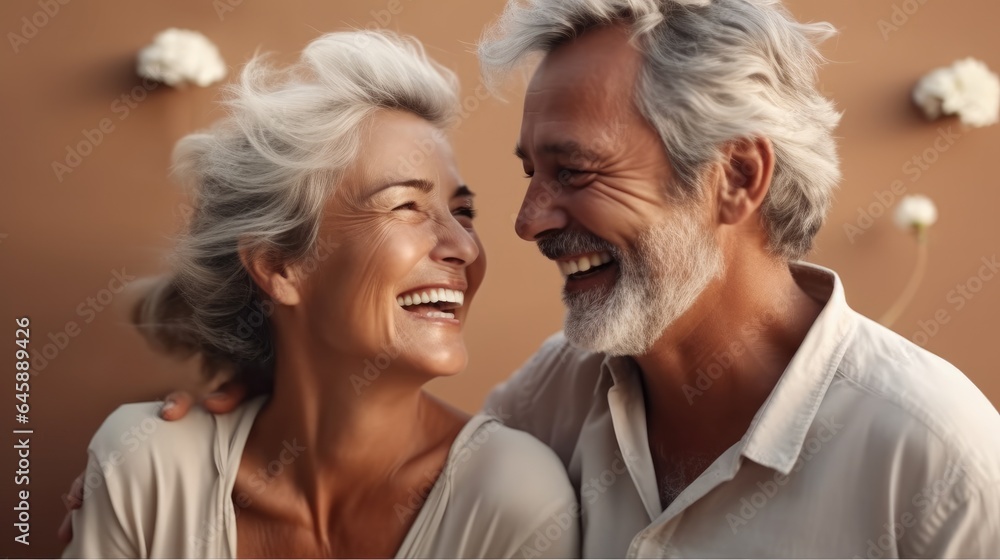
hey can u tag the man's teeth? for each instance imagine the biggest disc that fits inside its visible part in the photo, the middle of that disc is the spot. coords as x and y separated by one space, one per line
432 296
583 263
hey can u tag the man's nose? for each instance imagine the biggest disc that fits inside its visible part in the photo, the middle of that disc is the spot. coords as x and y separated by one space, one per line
541 211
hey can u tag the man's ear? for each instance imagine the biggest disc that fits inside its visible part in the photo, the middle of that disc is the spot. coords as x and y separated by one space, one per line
272 275
748 167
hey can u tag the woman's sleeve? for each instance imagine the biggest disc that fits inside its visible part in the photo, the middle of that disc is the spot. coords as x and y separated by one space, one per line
116 489
98 527
556 536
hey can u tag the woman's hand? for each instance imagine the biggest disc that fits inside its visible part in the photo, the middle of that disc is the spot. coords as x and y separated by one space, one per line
176 405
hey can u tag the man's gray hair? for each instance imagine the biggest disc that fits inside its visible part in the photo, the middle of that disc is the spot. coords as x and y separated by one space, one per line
714 71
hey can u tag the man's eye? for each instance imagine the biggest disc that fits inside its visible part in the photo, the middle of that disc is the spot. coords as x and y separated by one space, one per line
577 177
467 211
407 206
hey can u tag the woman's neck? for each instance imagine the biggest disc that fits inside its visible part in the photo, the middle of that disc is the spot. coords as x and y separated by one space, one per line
346 435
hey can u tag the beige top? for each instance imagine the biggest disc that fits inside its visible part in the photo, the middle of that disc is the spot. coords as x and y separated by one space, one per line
868 447
164 489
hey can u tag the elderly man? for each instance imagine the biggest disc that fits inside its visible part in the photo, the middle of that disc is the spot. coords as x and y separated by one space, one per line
712 396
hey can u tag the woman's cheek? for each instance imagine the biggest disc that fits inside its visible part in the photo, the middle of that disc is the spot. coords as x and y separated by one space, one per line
381 263
476 272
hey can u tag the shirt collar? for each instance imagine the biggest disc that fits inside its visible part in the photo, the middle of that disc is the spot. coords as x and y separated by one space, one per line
779 429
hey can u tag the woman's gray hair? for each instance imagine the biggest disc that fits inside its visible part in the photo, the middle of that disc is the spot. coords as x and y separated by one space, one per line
261 177
714 71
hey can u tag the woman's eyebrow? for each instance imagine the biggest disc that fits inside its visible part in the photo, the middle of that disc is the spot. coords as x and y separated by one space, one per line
422 184
463 190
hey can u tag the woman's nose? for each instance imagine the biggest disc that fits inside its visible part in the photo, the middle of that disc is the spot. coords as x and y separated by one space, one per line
456 245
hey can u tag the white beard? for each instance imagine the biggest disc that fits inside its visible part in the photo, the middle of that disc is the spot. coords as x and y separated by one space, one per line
657 283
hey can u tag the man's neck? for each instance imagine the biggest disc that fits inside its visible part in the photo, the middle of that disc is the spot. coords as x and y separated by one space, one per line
711 371
740 334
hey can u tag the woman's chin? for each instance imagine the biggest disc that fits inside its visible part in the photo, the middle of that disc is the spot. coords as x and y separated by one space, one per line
442 363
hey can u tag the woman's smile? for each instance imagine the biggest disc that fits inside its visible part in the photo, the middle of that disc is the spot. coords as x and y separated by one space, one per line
438 303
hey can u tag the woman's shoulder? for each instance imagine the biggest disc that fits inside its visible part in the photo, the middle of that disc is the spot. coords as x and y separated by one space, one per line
134 441
138 427
519 483
488 446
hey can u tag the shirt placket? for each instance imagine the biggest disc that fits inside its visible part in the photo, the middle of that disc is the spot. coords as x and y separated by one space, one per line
628 415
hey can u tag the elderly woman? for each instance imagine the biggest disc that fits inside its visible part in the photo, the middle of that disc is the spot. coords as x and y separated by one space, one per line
332 256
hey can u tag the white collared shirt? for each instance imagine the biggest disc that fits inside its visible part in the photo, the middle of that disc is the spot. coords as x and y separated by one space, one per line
868 446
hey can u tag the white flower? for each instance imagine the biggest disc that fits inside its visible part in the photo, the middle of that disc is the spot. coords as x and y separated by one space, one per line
967 88
916 211
179 56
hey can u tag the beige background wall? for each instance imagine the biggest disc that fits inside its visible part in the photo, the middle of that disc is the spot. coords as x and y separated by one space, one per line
62 239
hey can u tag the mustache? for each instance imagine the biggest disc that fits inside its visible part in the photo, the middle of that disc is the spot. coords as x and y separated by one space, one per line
568 243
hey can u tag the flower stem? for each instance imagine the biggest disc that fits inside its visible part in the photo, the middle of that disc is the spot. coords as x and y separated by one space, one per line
906 296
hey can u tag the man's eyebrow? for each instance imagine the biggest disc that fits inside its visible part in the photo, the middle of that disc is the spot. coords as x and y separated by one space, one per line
569 148
463 190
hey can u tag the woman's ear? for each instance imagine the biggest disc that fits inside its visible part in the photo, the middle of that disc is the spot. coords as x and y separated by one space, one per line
272 275
748 168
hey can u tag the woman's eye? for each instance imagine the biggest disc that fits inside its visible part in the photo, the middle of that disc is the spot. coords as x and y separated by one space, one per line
407 206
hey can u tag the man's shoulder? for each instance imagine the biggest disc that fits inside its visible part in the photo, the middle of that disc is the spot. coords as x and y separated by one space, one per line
560 363
908 393
551 395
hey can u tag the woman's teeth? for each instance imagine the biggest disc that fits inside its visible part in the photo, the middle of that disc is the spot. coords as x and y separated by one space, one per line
583 263
441 315
432 296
